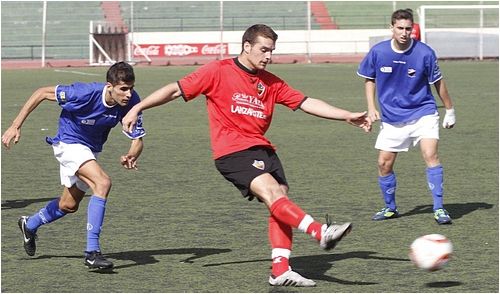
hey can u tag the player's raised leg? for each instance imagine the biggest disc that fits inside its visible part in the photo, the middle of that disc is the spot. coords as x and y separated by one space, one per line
286 211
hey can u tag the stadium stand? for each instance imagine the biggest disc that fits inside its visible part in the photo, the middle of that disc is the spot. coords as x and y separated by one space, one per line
112 14
67 28
322 15
20 18
68 21
150 16
286 15
173 16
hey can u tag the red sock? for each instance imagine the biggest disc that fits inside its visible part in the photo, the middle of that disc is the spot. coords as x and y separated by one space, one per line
280 265
280 234
314 230
280 237
285 211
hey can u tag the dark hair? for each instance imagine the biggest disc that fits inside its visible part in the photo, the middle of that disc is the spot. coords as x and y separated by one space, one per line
256 30
402 14
120 72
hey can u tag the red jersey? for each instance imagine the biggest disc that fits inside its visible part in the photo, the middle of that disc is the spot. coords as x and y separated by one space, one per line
415 32
240 103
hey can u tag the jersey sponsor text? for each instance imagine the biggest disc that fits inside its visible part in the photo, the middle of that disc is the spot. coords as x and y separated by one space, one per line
247 111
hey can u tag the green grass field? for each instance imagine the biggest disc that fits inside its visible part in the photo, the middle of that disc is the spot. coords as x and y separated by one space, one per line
177 226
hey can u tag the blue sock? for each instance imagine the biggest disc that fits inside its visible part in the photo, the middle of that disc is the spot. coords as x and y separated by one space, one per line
95 218
48 214
388 188
435 182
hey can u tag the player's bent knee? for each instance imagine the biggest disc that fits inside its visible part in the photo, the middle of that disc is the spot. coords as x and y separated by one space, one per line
384 167
276 196
103 186
69 207
431 158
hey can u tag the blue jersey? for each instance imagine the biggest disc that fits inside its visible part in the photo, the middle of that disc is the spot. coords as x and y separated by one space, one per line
402 80
86 118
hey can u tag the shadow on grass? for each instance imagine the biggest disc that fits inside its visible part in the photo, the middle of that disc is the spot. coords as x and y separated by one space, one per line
22 203
315 266
456 210
15 204
145 257
444 284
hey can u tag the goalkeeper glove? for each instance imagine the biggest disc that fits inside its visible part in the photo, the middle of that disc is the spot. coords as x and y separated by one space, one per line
449 118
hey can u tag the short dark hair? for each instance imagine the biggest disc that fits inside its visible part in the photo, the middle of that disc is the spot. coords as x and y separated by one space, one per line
401 14
256 30
120 72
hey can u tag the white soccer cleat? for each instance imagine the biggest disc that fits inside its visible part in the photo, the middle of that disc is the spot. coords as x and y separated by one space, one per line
331 234
291 278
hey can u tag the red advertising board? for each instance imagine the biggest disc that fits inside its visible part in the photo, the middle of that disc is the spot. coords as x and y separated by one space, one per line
177 50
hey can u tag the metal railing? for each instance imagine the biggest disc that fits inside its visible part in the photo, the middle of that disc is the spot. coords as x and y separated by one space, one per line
34 52
184 24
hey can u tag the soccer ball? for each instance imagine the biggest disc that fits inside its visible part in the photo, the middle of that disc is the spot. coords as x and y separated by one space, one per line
431 252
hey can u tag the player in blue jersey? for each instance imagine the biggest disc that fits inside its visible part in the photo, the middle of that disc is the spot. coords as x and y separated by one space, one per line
89 112
401 72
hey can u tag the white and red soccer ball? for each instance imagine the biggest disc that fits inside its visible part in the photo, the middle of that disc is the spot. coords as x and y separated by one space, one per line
431 252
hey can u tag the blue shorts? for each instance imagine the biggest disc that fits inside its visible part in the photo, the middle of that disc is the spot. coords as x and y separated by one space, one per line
240 168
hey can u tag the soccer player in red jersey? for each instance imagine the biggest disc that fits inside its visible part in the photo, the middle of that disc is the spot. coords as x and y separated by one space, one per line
415 29
241 96
415 32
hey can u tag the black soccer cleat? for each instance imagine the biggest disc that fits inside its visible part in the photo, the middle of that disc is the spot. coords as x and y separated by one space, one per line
95 260
29 237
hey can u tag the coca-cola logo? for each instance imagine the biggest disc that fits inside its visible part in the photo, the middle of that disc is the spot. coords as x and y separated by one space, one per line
180 50
151 50
158 50
211 50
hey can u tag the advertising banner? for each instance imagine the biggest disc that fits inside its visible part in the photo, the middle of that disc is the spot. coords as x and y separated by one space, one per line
179 50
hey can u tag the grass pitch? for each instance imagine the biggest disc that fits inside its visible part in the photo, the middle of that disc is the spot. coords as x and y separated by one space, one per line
177 226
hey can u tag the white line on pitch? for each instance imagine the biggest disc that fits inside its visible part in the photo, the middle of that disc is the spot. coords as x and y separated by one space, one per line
77 72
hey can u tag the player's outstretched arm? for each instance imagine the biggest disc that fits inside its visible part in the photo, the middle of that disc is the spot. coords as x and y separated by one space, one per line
322 109
14 131
161 96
